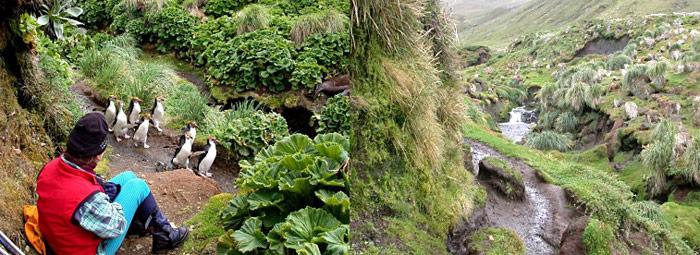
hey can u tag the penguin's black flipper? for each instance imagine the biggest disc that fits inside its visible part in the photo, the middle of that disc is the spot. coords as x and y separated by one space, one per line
206 149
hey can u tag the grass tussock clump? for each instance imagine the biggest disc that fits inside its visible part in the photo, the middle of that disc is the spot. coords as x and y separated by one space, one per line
251 18
327 21
495 241
114 68
549 140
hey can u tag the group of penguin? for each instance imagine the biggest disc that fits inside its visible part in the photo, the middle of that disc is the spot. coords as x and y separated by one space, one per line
120 122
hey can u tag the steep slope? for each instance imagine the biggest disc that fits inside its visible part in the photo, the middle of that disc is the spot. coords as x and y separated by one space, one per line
539 15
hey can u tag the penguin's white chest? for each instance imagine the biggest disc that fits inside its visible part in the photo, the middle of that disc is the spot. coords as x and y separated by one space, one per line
141 132
121 119
134 115
111 110
208 159
192 133
158 113
184 152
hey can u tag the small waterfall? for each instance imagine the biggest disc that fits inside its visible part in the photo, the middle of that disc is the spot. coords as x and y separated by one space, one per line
518 126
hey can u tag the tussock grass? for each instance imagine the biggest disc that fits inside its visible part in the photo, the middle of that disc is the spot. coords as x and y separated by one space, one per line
576 95
327 21
392 23
409 161
567 122
691 161
114 68
657 73
251 18
618 61
185 104
549 140
659 156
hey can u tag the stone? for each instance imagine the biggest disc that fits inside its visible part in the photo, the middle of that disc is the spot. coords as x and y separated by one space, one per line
500 175
617 103
631 110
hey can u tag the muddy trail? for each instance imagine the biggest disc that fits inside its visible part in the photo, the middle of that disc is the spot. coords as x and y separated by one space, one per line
180 193
539 219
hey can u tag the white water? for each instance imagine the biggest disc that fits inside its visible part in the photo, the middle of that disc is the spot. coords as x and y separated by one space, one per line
515 129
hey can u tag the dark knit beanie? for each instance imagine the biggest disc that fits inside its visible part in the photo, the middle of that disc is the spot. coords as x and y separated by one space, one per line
89 137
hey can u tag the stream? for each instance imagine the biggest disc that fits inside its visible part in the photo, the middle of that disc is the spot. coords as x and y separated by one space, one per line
519 125
540 219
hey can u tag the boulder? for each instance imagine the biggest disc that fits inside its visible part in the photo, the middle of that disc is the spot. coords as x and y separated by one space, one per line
500 175
631 110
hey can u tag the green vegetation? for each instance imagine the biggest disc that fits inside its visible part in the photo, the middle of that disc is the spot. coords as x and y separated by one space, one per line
206 226
335 116
253 59
510 182
685 222
598 237
58 15
496 241
184 105
113 68
659 156
245 130
606 198
499 24
618 61
408 172
549 140
293 198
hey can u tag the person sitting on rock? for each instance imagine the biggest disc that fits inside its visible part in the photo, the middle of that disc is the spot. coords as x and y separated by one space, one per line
80 213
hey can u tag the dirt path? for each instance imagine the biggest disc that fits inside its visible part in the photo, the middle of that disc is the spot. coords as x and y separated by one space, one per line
540 219
180 193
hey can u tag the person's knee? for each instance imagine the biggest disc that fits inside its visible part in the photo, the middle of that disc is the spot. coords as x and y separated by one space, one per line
137 184
129 174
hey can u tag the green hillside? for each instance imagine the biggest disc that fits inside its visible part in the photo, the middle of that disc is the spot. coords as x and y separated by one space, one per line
539 15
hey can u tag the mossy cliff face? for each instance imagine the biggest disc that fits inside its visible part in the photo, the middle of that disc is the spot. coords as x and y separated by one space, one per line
25 146
409 183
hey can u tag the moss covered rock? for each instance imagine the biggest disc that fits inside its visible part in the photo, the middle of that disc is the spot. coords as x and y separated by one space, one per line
685 222
503 177
495 241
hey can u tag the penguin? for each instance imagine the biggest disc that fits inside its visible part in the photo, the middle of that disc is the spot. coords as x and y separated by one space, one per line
206 157
142 132
158 113
191 129
120 125
183 153
134 110
111 112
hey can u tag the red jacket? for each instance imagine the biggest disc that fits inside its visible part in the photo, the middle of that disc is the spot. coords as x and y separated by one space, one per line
62 189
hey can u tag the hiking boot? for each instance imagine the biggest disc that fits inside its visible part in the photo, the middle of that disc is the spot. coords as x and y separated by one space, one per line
168 238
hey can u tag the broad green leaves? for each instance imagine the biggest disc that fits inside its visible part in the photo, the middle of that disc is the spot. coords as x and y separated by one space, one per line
250 237
245 132
259 58
295 195
335 116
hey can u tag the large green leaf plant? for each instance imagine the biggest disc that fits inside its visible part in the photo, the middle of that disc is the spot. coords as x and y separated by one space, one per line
295 199
57 15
